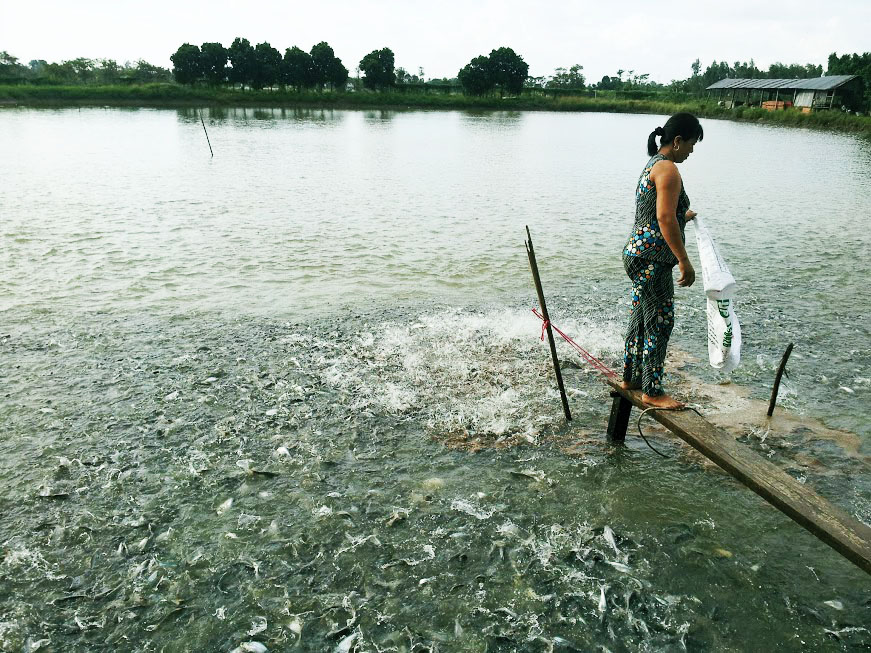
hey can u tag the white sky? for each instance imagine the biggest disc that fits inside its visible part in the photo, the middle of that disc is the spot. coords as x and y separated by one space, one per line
660 37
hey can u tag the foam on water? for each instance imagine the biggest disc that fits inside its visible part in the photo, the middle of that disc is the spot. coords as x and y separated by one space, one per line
253 477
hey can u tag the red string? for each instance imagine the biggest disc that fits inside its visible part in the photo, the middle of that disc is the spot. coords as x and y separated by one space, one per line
598 365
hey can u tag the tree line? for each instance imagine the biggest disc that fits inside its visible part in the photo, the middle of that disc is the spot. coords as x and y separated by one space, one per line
699 81
79 71
263 66
258 66
503 71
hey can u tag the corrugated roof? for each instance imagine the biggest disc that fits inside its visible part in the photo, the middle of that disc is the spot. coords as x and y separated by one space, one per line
813 84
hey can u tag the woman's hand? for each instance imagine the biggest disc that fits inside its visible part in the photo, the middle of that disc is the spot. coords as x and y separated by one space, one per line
687 273
690 214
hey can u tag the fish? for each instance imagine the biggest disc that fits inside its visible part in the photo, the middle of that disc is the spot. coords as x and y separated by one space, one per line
257 626
224 507
565 644
250 647
849 629
602 603
345 645
398 515
295 626
619 566
608 534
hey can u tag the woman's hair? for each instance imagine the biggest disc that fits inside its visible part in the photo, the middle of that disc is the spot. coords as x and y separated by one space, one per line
685 125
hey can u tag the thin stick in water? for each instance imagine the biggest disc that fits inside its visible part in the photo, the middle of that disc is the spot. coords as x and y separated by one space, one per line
207 133
533 265
777 378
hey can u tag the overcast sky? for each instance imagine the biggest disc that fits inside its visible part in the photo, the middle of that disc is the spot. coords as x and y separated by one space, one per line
660 37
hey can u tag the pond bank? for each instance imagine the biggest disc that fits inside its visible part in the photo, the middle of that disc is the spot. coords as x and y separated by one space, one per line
172 95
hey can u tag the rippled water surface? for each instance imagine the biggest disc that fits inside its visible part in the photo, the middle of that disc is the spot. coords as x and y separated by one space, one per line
293 395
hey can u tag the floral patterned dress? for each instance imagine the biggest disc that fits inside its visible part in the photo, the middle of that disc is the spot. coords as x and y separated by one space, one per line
648 261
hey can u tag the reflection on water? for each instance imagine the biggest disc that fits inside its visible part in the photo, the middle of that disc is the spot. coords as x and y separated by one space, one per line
294 393
220 115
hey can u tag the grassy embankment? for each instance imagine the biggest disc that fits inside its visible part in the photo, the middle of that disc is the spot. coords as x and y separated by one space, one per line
173 95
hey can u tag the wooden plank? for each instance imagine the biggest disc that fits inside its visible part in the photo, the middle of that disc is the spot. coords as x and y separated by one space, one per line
834 526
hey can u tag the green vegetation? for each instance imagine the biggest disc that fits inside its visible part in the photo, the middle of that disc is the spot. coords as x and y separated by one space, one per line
79 71
853 64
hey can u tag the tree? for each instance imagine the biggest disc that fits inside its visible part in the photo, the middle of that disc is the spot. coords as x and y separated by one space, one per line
337 74
297 69
327 68
145 72
508 70
186 63
854 64
477 76
322 59
241 55
108 72
405 77
377 67
83 68
571 78
60 72
10 69
609 83
213 57
266 66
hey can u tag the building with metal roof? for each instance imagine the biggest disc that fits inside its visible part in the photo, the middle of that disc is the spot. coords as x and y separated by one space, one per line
815 93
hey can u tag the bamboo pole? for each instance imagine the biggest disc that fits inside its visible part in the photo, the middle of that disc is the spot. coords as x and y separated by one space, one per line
530 253
207 133
780 370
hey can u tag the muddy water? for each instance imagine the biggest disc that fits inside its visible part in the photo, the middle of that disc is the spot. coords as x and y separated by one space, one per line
294 396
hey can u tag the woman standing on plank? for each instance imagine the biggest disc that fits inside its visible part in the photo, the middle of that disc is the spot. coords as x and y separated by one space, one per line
655 246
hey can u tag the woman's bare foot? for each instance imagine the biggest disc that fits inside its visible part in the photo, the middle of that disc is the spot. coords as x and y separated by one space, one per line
630 385
661 401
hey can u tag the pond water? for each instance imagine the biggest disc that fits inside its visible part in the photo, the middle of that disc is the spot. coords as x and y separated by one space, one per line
293 395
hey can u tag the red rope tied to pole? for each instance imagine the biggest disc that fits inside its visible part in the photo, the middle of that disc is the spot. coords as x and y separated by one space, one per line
598 365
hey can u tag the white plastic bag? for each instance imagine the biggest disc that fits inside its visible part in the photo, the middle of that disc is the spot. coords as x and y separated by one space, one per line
724 331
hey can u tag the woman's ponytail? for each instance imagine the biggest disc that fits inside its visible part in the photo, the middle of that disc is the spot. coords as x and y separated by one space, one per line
652 147
685 125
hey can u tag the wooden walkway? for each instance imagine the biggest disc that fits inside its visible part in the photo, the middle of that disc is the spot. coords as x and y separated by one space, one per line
834 526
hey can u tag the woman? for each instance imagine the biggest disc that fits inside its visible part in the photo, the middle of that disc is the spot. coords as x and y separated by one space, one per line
655 246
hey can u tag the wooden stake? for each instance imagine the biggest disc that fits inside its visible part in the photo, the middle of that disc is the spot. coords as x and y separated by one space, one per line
777 378
621 408
207 133
530 253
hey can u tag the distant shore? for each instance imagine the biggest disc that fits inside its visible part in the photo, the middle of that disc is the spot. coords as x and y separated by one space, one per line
176 96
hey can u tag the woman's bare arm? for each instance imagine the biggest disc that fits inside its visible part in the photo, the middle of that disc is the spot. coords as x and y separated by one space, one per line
667 179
